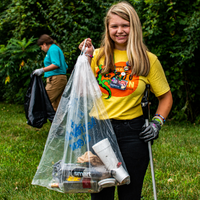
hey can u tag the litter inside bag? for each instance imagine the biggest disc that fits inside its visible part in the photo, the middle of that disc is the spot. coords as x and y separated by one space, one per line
81 152
37 105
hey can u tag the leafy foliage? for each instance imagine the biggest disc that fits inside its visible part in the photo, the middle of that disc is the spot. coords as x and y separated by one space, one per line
171 31
16 66
68 22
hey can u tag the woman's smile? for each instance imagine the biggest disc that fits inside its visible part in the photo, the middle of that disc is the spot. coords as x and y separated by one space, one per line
119 31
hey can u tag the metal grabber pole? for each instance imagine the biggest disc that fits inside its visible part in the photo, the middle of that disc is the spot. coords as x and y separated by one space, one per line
146 113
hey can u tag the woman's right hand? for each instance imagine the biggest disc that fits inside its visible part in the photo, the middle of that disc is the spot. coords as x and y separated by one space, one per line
89 45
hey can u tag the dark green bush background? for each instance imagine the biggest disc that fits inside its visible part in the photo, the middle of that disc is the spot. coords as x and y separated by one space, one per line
171 31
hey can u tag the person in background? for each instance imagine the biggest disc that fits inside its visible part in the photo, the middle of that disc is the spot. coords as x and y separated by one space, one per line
55 69
123 57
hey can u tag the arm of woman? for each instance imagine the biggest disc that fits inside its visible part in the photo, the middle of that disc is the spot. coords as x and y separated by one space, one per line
39 72
50 68
165 104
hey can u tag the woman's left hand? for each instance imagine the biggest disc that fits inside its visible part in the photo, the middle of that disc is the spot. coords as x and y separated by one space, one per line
150 132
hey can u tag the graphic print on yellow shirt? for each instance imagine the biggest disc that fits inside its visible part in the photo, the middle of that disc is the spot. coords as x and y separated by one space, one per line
126 104
105 80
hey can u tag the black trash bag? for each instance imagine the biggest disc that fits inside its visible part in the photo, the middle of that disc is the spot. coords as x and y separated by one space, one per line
37 105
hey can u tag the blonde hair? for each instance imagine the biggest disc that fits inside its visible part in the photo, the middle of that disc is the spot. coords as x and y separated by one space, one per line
136 49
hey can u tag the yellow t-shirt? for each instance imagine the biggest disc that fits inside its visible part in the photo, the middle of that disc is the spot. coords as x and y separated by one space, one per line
126 104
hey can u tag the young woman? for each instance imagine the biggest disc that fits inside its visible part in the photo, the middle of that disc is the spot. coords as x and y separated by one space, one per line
55 69
123 66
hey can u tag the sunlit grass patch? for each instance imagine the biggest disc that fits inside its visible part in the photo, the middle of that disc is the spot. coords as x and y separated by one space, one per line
176 156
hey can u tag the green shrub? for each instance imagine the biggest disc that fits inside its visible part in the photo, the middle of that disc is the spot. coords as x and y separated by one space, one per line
171 31
67 22
16 64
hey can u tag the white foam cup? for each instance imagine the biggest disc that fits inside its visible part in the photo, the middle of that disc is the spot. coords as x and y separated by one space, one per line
120 174
105 152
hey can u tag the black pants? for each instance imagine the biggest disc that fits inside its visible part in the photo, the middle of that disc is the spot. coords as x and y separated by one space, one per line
136 157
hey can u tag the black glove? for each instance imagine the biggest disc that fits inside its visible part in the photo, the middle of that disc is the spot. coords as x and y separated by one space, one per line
150 132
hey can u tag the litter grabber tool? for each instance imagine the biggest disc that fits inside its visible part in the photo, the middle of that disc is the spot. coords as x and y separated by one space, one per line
146 114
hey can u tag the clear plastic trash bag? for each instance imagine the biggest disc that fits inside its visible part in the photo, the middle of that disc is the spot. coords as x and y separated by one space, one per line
81 152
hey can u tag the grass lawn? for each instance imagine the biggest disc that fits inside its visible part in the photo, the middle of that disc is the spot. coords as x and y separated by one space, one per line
176 160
